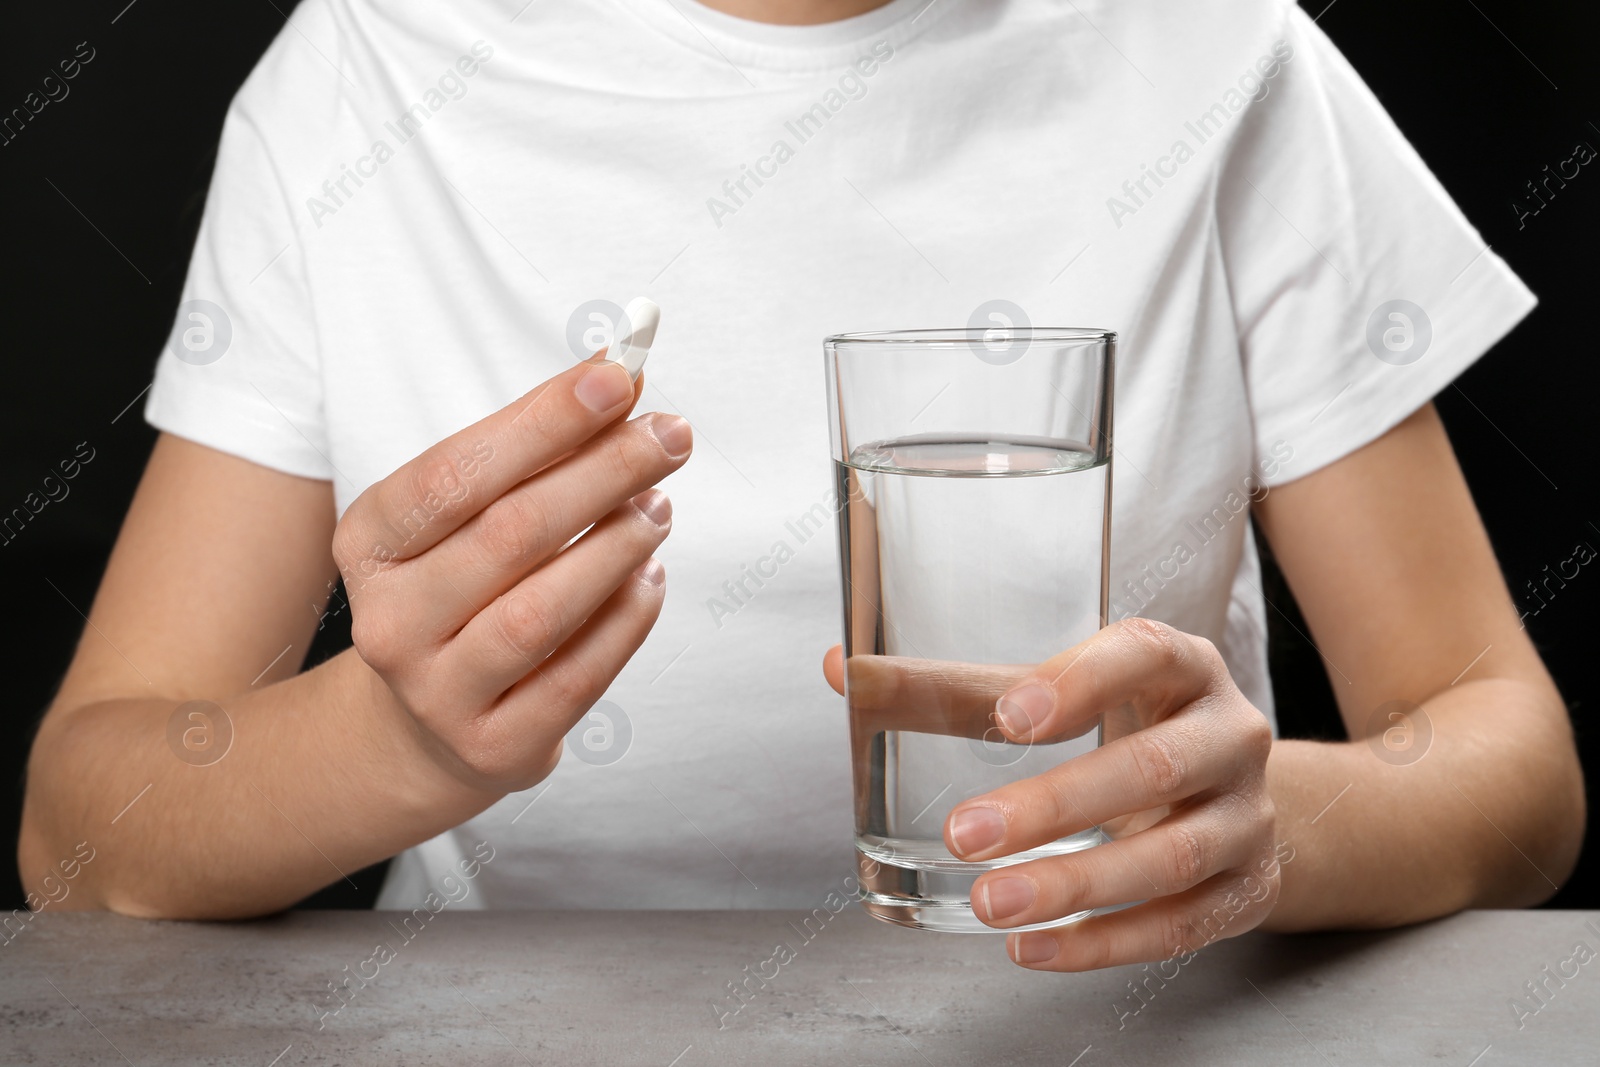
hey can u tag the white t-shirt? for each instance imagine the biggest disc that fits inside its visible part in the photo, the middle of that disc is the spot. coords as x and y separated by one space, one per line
416 203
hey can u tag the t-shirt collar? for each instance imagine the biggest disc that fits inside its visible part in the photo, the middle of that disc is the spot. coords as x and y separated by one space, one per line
745 43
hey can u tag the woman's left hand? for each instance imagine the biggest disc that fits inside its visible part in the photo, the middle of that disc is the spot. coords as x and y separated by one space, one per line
1179 785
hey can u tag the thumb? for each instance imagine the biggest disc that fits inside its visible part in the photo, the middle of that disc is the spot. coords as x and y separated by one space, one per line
833 668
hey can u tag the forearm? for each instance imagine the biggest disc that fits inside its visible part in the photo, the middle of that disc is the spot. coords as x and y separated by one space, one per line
1490 815
325 775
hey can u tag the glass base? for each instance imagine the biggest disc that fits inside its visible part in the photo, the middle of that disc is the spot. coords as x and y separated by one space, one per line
928 893
948 918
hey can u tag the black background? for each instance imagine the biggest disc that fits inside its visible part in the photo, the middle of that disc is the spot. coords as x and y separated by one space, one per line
101 194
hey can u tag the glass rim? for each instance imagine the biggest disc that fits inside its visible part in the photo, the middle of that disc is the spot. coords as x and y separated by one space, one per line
966 335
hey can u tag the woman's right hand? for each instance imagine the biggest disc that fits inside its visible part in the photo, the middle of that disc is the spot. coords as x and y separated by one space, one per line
491 632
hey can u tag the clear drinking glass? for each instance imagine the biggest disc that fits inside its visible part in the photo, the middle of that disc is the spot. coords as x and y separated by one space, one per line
974 480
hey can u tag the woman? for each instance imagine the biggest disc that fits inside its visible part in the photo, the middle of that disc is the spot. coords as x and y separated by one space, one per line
418 213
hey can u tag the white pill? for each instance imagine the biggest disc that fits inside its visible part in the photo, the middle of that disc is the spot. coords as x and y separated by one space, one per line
635 334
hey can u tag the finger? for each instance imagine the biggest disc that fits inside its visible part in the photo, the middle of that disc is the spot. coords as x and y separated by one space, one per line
926 696
1176 854
505 542
1145 666
833 668
1200 748
1174 927
521 738
513 635
425 499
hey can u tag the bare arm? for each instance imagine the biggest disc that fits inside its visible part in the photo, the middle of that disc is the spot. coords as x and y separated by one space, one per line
446 703
1391 564
217 569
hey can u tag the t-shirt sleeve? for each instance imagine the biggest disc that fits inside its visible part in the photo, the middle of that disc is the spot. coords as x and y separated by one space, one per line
1359 288
241 371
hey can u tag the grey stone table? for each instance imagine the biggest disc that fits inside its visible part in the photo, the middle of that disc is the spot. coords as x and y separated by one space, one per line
656 988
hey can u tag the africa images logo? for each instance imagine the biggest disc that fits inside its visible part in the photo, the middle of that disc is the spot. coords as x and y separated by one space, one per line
1399 332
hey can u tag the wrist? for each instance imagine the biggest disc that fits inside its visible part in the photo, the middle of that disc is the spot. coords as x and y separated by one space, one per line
427 780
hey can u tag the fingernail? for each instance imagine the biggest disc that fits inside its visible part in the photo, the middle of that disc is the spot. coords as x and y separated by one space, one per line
603 386
655 505
652 571
1033 948
975 829
1023 711
1005 897
673 432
